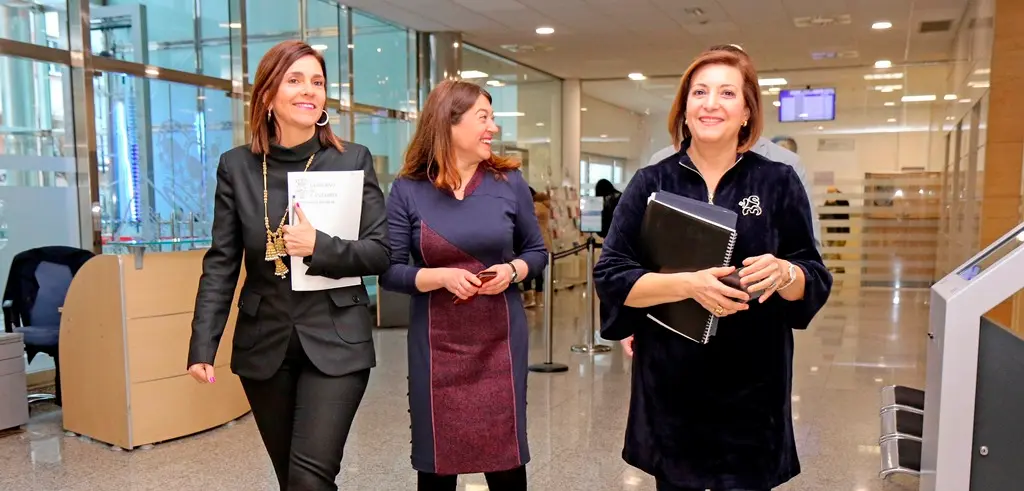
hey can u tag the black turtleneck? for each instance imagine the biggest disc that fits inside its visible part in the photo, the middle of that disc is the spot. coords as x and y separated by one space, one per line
281 161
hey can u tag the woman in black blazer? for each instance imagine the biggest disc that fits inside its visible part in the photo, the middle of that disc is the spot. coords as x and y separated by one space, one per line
303 358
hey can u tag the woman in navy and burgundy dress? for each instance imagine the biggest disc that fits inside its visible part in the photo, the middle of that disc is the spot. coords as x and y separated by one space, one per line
458 210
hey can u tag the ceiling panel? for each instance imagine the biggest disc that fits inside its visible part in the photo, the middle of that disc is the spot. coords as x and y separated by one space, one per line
611 38
496 6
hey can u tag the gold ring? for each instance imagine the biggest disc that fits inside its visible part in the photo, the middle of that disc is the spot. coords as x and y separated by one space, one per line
719 310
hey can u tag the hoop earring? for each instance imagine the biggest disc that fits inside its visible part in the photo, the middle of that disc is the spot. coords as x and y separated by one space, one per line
326 120
269 113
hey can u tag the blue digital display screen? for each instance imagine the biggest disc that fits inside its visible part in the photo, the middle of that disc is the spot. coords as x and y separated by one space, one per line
804 105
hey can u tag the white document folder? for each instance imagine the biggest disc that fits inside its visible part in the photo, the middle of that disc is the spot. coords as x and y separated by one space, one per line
333 203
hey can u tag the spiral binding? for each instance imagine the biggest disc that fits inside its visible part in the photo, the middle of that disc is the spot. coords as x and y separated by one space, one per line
725 263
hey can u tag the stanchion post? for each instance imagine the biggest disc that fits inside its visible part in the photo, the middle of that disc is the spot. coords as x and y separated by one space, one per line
549 318
588 345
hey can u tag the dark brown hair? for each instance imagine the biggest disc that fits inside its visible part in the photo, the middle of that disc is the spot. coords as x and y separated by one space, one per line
431 154
751 96
271 71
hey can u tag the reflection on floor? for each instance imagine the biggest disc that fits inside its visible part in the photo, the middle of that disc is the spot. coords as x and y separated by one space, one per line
861 341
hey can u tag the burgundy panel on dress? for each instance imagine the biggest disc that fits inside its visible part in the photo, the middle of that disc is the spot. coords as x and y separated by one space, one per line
472 392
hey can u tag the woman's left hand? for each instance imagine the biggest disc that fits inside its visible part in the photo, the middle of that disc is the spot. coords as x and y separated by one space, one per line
763 273
500 282
300 238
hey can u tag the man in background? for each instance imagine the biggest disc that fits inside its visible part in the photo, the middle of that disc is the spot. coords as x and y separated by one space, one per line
785 142
766 148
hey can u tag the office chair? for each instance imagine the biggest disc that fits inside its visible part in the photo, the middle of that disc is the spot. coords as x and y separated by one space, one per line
36 288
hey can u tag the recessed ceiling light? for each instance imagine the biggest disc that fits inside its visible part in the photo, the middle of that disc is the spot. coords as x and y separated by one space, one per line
540 124
890 103
604 136
965 101
949 97
545 30
583 109
881 25
772 81
819 128
473 74
319 47
891 120
883 64
495 83
918 98
637 76
776 103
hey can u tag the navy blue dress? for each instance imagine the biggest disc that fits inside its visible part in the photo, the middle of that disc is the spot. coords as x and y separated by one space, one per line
467 362
717 415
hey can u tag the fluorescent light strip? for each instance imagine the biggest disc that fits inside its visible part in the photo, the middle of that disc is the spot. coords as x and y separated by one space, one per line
918 98
473 74
772 81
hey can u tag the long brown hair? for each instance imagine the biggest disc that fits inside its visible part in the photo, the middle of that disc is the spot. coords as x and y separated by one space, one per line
269 74
431 154
751 97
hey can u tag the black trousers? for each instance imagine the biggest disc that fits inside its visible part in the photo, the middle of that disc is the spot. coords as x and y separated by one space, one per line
510 480
304 419
661 485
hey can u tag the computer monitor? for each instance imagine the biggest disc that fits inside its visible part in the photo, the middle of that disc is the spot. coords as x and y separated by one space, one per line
805 105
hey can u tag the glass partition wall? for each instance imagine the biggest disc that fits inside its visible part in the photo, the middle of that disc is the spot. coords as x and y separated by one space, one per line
114 113
165 96
527 108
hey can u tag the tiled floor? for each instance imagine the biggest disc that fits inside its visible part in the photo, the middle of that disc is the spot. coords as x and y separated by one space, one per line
861 341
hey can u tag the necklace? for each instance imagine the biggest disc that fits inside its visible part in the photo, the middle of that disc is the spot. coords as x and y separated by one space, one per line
275 239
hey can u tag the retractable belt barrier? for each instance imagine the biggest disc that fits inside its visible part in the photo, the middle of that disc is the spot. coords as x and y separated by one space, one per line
588 346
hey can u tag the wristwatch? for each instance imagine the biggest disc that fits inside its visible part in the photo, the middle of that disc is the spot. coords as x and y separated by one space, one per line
792 277
515 273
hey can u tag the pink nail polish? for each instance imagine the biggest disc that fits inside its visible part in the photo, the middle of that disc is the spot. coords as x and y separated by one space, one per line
213 379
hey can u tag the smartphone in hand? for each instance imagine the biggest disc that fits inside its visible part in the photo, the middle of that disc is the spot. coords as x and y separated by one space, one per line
733 281
484 277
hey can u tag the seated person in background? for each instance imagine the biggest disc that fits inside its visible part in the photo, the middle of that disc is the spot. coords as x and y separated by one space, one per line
717 415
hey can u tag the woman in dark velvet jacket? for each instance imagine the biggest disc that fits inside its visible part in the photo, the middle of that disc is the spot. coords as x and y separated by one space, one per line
716 416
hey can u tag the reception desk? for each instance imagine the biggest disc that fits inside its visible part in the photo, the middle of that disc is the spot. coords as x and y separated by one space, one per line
124 339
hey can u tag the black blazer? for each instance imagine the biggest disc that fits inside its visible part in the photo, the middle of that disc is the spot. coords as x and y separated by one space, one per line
334 326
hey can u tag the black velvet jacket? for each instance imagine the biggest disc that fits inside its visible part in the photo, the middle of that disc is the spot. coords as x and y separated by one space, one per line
717 415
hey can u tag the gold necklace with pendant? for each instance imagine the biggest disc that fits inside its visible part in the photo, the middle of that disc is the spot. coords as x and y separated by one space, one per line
275 239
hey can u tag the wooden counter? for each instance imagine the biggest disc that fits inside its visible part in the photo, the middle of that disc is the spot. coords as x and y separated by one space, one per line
124 339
